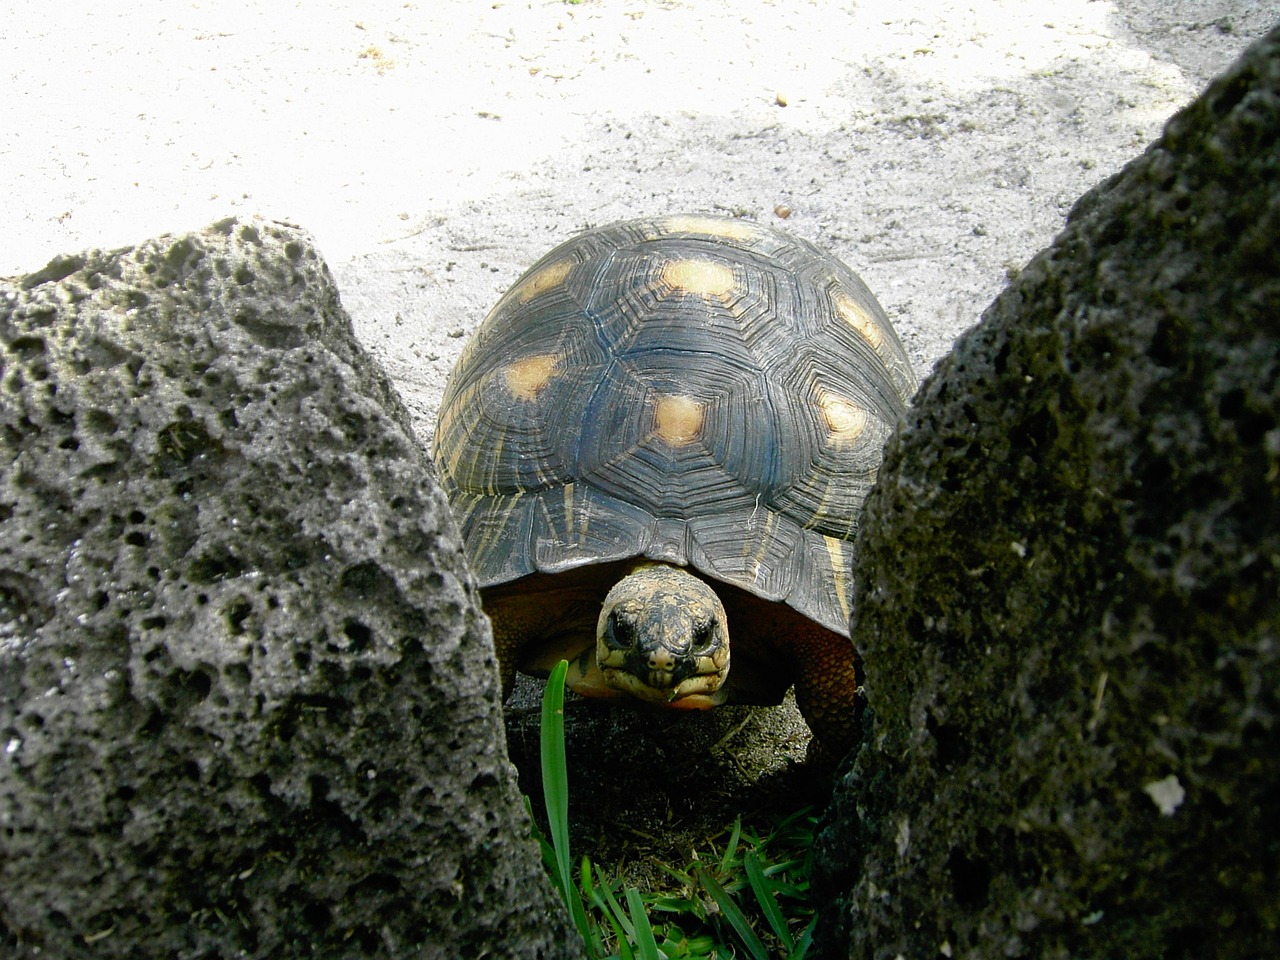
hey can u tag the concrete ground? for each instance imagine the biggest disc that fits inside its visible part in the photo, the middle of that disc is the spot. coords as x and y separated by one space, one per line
436 148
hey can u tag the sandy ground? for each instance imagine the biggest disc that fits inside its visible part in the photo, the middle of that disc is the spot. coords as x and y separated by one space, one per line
436 148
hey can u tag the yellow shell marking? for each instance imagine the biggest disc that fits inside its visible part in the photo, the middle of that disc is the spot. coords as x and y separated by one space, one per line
852 313
763 539
711 226
705 278
839 576
548 278
528 375
845 420
678 420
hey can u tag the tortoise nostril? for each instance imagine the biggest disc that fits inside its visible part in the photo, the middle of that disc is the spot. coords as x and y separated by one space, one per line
662 660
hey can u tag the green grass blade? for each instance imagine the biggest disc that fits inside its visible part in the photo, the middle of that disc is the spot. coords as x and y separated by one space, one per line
544 847
589 895
555 768
614 909
731 849
555 794
670 903
734 915
801 948
775 868
585 883
646 946
802 820
768 905
680 946
597 900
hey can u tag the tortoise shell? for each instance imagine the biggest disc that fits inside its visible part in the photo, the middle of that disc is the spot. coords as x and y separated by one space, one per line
701 391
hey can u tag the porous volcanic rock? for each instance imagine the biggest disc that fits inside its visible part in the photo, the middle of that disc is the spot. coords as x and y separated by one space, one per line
247 704
1068 589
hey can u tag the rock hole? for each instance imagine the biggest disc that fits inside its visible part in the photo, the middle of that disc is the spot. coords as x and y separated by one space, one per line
954 475
381 883
1001 361
215 566
950 747
359 635
26 347
1232 94
317 917
20 606
1251 425
367 580
970 879
1113 231
237 611
1034 433
183 441
370 942
155 723
1167 343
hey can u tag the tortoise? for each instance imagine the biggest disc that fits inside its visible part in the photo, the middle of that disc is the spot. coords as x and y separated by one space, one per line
657 445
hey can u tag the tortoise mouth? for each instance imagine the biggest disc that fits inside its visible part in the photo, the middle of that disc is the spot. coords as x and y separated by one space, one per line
701 691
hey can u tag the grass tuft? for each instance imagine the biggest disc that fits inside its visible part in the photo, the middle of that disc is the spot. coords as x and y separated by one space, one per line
750 898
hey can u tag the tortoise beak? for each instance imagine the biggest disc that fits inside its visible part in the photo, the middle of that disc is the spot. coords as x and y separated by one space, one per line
662 638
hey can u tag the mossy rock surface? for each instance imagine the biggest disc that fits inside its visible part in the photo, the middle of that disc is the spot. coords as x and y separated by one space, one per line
1068 588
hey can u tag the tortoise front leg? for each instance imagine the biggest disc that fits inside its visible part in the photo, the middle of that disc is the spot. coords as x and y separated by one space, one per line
828 690
517 621
534 631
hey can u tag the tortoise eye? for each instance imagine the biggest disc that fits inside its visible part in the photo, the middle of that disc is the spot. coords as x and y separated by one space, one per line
617 633
704 633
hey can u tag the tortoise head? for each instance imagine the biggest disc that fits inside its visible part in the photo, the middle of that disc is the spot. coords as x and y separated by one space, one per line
663 638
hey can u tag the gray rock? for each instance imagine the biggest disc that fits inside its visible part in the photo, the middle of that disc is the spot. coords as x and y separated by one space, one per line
247 704
1068 589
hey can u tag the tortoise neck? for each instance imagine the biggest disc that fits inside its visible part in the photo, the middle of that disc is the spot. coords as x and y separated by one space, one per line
643 563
